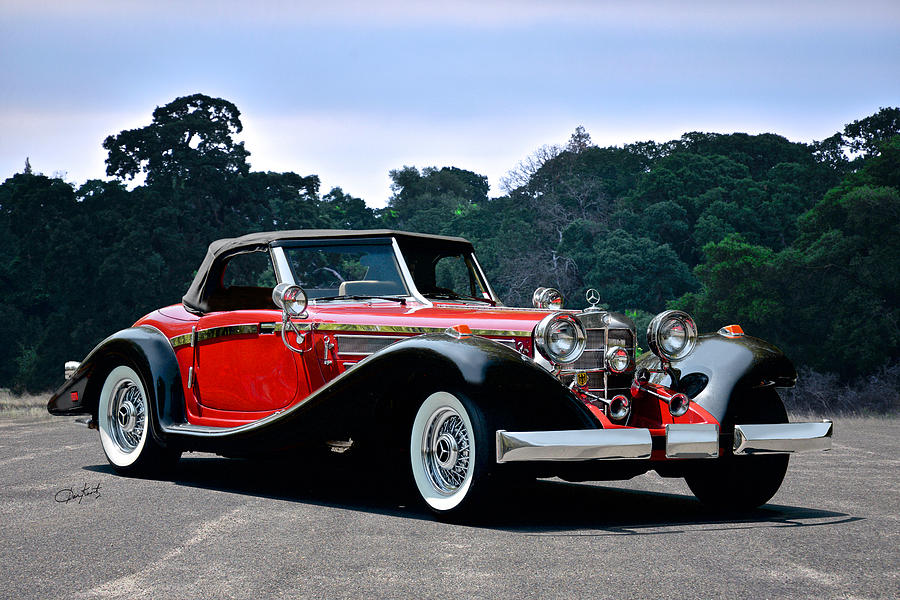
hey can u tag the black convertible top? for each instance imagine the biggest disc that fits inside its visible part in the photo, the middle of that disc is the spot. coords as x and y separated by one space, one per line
209 275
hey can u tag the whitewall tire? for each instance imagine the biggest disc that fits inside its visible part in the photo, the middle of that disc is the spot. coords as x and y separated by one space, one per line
123 419
444 452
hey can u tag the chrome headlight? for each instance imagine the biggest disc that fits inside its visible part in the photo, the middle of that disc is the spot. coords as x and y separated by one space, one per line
289 298
560 338
617 359
547 298
672 335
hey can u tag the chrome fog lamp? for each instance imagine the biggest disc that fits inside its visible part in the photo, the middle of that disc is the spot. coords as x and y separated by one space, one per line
672 335
290 298
560 338
617 359
547 298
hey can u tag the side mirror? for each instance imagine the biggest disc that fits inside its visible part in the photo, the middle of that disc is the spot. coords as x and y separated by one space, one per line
291 299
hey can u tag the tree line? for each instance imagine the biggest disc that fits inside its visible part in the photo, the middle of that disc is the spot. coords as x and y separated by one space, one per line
799 243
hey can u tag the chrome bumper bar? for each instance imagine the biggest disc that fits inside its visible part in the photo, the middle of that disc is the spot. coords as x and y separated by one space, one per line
782 437
578 444
682 441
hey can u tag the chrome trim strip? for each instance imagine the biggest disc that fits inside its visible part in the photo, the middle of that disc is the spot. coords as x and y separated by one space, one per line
181 340
416 330
251 328
368 337
573 445
267 328
202 335
692 440
227 331
783 437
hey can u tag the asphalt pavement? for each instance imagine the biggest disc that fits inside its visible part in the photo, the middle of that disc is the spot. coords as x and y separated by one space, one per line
220 528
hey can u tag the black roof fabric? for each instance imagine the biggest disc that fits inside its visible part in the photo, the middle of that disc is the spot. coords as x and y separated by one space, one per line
197 296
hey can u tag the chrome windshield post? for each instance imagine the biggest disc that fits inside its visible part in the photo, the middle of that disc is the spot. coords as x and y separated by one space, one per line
407 275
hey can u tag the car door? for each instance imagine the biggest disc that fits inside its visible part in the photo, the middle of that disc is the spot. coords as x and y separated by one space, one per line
241 364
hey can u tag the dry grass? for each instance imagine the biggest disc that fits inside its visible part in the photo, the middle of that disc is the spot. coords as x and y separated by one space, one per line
25 405
823 394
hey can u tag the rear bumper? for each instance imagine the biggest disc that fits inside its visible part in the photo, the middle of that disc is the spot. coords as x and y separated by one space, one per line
681 441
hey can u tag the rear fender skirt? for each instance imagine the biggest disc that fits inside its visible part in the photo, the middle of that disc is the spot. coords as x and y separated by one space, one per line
728 364
149 350
373 399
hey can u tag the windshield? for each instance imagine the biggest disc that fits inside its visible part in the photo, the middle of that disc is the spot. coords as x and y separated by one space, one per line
445 271
347 269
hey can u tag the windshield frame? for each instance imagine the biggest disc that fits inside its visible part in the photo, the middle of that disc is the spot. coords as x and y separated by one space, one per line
285 274
462 249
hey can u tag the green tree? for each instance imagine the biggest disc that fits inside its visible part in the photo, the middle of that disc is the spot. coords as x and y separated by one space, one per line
191 137
867 135
426 201
636 272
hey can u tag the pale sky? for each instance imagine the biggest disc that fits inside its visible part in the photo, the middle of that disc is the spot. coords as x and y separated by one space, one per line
349 90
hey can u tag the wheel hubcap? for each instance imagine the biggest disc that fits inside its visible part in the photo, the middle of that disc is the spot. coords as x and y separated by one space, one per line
445 450
126 416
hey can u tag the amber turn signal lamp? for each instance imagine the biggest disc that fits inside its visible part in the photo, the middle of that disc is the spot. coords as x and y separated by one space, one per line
732 331
459 331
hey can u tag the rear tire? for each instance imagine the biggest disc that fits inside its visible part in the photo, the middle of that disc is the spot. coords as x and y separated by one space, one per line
743 482
124 421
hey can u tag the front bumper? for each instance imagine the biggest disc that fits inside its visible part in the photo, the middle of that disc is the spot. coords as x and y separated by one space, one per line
681 441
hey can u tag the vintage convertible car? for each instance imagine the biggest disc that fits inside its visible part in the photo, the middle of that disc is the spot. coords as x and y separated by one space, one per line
394 343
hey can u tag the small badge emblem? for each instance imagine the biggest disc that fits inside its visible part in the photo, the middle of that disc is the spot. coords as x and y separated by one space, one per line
593 297
582 379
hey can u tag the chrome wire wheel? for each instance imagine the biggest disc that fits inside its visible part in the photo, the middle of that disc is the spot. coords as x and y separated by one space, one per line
127 415
445 450
442 451
122 416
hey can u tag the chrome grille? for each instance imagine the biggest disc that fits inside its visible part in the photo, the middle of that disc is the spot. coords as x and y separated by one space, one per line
593 359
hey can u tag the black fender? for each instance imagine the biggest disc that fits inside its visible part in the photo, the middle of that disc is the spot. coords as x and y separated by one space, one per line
720 366
148 350
376 399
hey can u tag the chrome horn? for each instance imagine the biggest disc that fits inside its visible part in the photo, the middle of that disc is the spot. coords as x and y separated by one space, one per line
619 408
678 404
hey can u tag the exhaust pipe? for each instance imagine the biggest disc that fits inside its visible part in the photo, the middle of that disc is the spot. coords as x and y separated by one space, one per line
678 404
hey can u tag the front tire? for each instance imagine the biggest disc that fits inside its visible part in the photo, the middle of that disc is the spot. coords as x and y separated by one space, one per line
744 482
123 419
449 453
